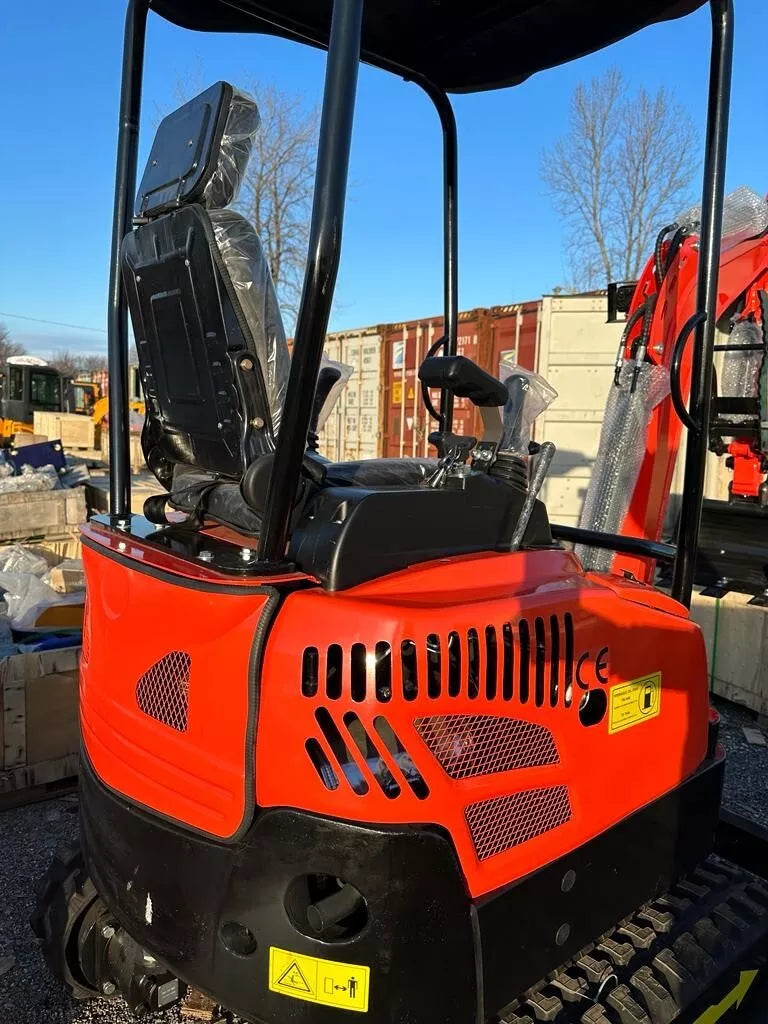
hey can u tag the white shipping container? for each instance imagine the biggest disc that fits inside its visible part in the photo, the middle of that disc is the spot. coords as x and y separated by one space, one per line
576 350
353 431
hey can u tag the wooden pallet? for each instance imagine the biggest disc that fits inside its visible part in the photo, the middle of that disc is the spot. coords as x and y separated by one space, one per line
39 725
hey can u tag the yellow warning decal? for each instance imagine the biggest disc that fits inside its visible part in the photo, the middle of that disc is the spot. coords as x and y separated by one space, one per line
634 702
734 999
345 986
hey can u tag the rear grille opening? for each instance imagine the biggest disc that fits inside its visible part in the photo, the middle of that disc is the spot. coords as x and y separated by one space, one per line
310 667
163 690
403 759
554 661
408 663
467 746
341 752
523 660
321 764
505 822
358 672
473 664
541 655
434 681
383 672
334 663
454 665
490 662
568 680
523 689
508 671
370 754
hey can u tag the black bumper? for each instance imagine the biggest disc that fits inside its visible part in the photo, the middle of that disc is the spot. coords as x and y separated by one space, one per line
433 953
418 942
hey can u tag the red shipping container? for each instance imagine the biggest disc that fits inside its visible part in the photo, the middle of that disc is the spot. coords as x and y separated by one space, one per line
406 423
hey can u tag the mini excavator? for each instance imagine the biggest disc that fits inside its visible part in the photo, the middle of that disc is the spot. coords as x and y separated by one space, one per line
369 738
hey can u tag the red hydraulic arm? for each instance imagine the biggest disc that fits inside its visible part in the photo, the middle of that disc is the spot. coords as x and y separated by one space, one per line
743 272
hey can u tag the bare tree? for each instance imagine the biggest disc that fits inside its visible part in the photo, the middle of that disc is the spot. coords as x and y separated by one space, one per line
8 348
66 362
620 173
276 194
92 363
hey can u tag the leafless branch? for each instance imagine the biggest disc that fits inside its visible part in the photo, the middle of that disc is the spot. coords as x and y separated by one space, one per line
622 170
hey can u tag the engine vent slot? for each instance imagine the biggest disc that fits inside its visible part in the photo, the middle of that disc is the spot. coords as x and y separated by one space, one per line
466 746
403 759
341 752
383 672
321 764
505 822
408 662
375 763
309 672
163 691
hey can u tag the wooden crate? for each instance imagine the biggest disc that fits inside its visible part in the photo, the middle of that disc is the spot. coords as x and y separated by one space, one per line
29 514
138 462
72 429
736 635
39 724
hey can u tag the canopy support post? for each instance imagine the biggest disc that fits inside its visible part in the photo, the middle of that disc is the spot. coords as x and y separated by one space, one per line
117 315
320 278
706 297
450 233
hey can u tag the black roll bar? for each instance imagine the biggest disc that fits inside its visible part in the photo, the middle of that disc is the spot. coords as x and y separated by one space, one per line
706 291
117 311
450 232
320 278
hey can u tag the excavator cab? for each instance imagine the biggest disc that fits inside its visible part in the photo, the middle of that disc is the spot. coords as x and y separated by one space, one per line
368 737
27 386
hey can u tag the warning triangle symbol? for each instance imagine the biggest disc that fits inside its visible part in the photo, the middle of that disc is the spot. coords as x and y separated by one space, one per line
293 978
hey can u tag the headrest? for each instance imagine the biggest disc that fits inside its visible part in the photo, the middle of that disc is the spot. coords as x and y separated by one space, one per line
200 152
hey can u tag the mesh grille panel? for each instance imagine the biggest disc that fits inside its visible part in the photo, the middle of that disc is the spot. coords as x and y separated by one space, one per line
469 745
507 821
163 690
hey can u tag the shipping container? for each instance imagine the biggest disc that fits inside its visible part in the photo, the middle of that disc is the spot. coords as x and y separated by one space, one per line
566 338
406 425
576 353
353 429
515 334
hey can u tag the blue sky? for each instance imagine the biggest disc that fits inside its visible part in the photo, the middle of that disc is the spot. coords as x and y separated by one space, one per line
59 82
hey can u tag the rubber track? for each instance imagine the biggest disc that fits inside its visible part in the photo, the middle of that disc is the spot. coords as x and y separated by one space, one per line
656 963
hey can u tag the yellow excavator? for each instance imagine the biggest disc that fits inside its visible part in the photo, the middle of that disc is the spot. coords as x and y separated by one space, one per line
29 385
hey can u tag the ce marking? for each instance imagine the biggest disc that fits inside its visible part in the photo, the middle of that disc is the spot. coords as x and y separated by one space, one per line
598 665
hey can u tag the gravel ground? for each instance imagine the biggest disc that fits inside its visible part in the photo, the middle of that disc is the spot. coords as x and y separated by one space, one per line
746 775
31 835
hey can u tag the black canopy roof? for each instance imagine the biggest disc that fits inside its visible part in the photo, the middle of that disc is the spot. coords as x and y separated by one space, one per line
461 45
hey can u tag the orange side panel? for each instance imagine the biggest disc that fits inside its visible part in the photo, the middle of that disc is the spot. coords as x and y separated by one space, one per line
166 691
481 667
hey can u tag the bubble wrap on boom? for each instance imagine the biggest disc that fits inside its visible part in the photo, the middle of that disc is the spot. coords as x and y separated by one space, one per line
741 370
620 455
745 215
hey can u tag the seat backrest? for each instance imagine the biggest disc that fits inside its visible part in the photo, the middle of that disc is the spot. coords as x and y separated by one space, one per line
212 352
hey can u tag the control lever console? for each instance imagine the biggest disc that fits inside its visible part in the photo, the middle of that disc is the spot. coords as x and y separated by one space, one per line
465 379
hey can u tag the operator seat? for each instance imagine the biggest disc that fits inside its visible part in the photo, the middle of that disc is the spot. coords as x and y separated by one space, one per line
212 352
